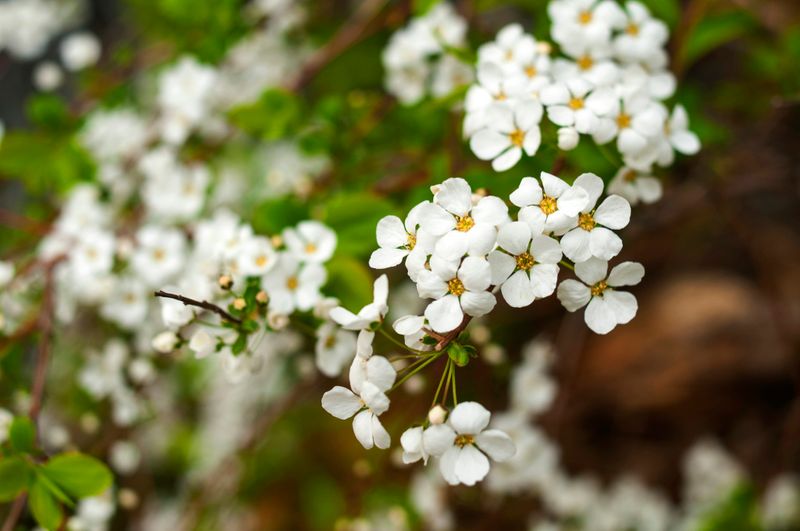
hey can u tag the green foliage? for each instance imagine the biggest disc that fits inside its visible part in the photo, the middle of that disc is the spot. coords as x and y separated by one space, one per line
714 31
78 475
274 215
322 501
22 435
737 512
44 506
14 477
350 281
461 354
353 216
276 114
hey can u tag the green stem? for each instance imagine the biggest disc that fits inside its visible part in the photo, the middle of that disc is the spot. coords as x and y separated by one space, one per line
567 265
439 388
385 334
453 377
447 370
424 363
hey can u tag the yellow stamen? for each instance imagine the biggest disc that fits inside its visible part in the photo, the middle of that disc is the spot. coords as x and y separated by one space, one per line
585 17
525 261
159 254
585 62
464 224
261 260
412 242
464 439
632 29
456 287
530 71
629 176
548 205
292 283
623 120
517 137
310 248
586 222
575 104
599 288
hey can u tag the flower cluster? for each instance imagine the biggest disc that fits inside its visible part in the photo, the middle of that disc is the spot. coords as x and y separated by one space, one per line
419 58
610 84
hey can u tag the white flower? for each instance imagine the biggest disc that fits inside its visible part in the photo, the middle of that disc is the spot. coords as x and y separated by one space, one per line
291 286
568 138
124 456
573 103
257 256
411 327
398 240
159 254
413 448
92 255
525 266
184 94
458 290
334 348
552 206
370 314
464 442
643 36
6 273
463 228
508 131
127 303
310 241
165 342
635 122
6 418
80 50
48 76
592 236
678 137
635 186
584 22
202 343
607 306
366 401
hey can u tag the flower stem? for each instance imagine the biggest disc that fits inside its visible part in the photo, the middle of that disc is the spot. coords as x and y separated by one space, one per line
424 362
441 381
567 265
385 334
453 377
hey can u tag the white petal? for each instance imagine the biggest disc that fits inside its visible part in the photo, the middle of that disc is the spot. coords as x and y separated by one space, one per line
390 232
380 291
517 290
592 270
545 250
561 115
475 273
384 258
685 142
408 324
471 465
572 201
514 237
507 160
453 245
362 428
469 418
477 303
488 144
482 239
626 274
411 441
341 402
604 243
437 439
593 186
543 279
614 212
573 294
575 244
622 304
375 399
380 372
502 266
444 314
430 285
455 196
491 210
496 444
345 318
436 220
529 192
600 316
447 465
553 186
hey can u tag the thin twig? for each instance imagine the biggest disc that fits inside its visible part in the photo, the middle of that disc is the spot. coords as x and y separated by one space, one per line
14 513
200 304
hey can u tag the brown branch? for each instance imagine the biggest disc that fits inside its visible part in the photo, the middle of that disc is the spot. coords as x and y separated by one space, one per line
450 336
200 304
14 513
349 34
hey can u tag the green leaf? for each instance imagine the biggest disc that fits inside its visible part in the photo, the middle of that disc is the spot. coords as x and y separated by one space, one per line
714 31
423 6
78 475
349 281
274 115
22 435
44 506
354 216
458 353
14 477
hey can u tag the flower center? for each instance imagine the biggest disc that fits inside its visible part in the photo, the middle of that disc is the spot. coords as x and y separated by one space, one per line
629 176
158 255
500 96
575 103
548 205
261 260
530 71
586 222
456 287
411 242
509 55
464 224
623 120
632 29
463 439
330 341
599 288
525 261
585 17
292 283
517 137
310 248
585 62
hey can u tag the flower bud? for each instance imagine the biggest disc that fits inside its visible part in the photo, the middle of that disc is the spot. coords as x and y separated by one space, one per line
567 138
276 240
165 342
225 281
544 47
128 499
437 415
262 297
239 303
277 321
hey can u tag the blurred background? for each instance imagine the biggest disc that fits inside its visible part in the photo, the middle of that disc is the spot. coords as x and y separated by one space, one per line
714 352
